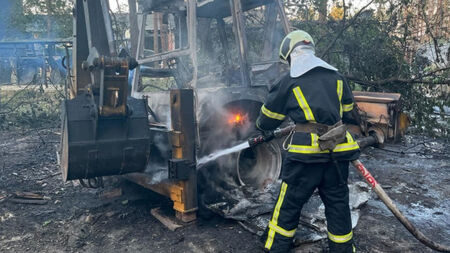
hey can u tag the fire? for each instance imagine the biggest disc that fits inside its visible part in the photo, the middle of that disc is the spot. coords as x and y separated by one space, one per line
236 118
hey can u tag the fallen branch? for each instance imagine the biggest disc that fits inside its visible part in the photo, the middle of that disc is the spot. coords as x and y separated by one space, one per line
29 198
395 80
49 176
253 231
29 201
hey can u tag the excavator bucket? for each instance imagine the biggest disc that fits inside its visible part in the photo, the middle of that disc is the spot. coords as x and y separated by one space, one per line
104 131
94 147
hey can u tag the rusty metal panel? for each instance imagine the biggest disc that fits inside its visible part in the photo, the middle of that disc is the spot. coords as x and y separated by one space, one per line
375 113
381 114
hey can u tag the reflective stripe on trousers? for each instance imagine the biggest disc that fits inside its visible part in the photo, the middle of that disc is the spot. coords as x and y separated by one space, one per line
340 238
273 224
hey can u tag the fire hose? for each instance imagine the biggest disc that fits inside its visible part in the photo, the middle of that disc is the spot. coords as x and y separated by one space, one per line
280 132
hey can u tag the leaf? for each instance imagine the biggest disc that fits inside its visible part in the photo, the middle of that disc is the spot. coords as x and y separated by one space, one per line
47 223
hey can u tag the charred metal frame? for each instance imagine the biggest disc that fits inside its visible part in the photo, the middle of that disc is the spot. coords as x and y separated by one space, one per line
189 50
102 109
182 186
232 8
185 104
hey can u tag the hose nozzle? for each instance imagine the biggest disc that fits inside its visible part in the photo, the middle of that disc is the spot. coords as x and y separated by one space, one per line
270 135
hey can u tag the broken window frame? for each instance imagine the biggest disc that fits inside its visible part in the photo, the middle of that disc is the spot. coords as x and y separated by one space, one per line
184 51
192 8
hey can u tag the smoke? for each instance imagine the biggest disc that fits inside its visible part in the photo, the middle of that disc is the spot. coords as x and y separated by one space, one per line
157 173
219 130
219 66
225 113
5 13
159 102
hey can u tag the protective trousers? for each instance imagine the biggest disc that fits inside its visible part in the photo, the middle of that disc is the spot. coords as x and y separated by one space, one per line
294 193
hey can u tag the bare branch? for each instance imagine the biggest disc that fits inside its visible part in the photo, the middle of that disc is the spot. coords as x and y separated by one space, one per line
396 80
432 72
350 23
430 32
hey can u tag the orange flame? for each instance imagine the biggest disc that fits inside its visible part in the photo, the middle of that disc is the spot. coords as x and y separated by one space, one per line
236 118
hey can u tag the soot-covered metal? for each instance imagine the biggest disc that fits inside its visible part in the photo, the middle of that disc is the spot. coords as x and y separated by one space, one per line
192 95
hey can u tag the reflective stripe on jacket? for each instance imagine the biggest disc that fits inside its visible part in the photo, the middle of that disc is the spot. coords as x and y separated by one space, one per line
321 96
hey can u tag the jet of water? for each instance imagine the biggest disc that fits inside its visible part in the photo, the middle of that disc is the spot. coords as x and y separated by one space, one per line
219 153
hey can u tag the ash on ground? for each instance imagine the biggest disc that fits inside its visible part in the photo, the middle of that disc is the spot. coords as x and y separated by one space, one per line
71 218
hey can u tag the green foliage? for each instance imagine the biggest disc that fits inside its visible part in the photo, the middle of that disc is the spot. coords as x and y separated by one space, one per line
157 84
38 19
371 51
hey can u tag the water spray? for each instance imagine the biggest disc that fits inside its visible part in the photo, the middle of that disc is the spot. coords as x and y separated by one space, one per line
250 143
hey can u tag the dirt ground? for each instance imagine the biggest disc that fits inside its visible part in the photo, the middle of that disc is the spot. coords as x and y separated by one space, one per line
78 219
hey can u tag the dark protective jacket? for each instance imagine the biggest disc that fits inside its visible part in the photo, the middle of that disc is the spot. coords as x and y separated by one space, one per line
318 96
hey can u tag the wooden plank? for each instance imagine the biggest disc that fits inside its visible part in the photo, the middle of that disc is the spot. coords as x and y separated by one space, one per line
169 223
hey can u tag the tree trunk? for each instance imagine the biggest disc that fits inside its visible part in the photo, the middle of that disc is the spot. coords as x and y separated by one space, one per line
321 6
48 6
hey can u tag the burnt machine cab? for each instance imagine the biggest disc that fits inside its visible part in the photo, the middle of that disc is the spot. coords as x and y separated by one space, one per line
201 72
196 70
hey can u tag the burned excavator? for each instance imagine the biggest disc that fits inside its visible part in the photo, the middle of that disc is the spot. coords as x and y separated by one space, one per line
200 71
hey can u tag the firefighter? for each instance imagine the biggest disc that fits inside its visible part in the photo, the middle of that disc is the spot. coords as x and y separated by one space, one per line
317 98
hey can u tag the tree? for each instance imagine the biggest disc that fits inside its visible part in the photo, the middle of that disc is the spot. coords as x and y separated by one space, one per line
9 13
39 19
337 12
393 46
